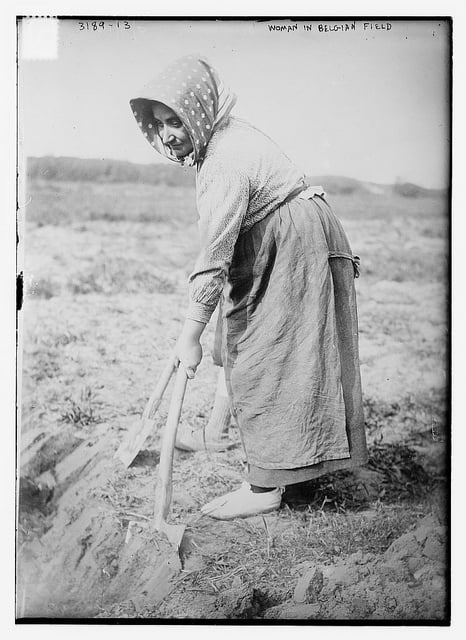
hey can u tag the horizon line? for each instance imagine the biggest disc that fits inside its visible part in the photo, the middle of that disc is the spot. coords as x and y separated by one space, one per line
163 162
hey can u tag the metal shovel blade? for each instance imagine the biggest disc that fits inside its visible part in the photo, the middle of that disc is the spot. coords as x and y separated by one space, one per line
173 532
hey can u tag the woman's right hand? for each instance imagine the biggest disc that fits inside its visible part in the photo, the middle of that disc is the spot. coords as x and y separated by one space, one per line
188 348
189 353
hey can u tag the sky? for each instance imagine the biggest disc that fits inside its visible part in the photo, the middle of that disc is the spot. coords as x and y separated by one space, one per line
370 102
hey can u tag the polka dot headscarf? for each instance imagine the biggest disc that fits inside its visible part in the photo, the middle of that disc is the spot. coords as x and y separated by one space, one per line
191 87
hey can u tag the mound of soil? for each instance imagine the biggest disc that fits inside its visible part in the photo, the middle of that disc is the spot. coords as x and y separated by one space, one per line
407 583
88 550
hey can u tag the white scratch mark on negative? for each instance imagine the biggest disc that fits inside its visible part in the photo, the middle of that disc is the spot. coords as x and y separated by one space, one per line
39 38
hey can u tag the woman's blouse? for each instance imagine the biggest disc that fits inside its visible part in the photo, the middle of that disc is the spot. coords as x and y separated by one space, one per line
244 176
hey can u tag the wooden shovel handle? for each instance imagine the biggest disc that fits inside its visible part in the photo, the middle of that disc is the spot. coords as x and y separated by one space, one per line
157 395
134 441
164 487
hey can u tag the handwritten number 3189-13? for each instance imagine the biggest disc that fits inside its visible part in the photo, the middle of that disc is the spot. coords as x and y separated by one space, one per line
95 25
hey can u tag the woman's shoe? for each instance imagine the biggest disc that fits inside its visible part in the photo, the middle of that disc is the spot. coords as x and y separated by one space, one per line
193 440
243 503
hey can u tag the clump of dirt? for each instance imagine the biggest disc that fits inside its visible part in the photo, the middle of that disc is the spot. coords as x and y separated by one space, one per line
239 602
407 583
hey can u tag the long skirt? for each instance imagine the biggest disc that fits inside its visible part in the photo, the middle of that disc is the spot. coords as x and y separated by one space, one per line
288 334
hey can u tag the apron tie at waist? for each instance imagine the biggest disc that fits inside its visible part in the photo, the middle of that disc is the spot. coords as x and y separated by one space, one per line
356 260
309 192
305 192
294 194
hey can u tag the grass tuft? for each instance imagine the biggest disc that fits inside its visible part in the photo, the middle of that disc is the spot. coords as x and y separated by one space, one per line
393 474
403 477
83 412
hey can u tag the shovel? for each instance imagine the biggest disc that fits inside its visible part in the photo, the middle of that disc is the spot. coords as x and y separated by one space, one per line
132 444
164 486
135 439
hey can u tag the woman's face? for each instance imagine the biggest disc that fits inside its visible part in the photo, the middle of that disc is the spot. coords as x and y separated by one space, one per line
171 130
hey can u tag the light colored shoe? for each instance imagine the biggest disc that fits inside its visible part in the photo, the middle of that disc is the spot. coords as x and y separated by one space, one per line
242 503
193 440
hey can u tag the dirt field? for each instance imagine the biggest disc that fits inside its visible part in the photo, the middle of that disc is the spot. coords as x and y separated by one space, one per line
105 280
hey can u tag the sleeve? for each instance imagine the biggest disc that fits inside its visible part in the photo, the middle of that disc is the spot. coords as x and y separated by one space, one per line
222 201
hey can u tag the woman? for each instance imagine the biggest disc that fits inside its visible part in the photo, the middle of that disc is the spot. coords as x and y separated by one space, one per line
274 250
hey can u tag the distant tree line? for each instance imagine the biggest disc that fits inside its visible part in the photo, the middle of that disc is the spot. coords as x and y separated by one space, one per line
102 170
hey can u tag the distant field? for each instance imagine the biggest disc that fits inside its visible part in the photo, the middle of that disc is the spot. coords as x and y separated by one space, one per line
101 244
93 243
